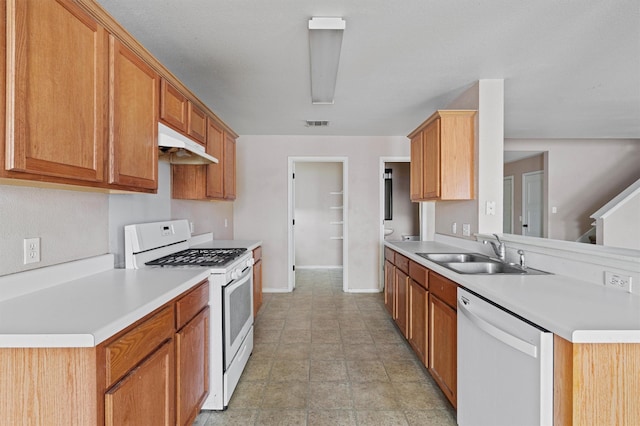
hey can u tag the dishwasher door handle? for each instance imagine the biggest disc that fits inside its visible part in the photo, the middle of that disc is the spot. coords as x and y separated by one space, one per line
506 338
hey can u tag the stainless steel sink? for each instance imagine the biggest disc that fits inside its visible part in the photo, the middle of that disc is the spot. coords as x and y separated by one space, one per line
454 257
475 263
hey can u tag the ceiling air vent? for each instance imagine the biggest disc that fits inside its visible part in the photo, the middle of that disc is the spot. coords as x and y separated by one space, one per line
317 123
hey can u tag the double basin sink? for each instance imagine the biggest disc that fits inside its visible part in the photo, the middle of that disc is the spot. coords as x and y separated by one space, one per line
474 263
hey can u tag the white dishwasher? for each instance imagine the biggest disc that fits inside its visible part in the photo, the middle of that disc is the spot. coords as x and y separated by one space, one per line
505 367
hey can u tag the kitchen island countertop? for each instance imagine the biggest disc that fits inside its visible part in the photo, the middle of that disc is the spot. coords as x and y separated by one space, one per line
86 311
578 311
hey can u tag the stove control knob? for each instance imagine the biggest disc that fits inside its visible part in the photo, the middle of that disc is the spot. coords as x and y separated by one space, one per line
250 262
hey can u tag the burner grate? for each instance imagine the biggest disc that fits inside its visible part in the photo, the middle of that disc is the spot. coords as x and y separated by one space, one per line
199 257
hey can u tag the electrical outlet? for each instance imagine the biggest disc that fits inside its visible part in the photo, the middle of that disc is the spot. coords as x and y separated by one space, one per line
454 228
31 250
466 229
226 224
619 281
490 208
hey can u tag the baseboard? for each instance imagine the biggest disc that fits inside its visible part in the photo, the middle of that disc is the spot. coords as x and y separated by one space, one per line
319 267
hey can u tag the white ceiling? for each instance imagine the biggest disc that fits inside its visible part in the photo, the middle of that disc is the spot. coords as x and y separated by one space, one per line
571 67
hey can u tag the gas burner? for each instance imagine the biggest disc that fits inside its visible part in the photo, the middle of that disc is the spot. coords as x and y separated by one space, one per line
199 257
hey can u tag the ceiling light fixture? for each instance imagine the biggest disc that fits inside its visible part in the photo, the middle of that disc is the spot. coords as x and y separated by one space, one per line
325 41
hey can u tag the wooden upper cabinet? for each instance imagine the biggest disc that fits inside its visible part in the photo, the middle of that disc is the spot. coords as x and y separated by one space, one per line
416 167
197 124
173 107
443 148
133 135
229 168
215 146
56 90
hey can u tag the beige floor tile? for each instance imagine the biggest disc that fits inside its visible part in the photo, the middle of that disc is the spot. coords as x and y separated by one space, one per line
330 395
327 351
352 323
324 324
361 352
326 336
296 336
417 395
285 395
232 417
293 351
266 336
378 418
406 370
331 418
248 395
395 351
288 370
434 417
352 337
367 371
374 394
282 418
328 370
257 369
269 324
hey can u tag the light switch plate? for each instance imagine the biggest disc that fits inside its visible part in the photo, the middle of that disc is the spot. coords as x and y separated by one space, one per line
466 229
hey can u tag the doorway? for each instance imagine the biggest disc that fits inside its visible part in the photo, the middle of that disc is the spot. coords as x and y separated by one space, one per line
507 213
399 217
532 204
318 215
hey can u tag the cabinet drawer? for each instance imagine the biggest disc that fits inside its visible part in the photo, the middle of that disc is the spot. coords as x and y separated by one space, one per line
257 254
189 305
133 346
389 255
445 289
402 263
419 274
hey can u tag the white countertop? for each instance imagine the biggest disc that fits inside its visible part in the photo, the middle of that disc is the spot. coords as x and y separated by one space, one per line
86 311
578 311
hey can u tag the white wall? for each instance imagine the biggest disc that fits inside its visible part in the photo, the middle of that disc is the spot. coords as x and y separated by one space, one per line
621 228
313 201
261 212
486 96
583 175
71 225
78 224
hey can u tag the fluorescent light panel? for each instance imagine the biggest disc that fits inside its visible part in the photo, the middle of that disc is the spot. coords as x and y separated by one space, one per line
325 42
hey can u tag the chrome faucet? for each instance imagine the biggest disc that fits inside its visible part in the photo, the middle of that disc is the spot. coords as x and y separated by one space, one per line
500 249
522 264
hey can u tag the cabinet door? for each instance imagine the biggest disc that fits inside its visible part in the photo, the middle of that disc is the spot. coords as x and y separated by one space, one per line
197 127
443 346
416 167
173 107
133 139
389 287
215 145
402 300
418 316
146 395
192 363
229 168
431 161
56 90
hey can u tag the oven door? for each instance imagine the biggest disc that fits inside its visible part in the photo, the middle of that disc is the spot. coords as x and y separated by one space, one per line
238 313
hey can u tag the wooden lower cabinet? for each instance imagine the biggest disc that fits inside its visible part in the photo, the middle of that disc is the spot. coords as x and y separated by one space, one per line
401 301
257 280
154 372
145 396
389 275
192 368
418 320
443 344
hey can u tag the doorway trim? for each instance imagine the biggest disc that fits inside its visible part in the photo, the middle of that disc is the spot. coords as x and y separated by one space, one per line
510 179
525 178
384 160
291 216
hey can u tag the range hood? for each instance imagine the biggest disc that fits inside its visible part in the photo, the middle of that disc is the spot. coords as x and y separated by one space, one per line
178 149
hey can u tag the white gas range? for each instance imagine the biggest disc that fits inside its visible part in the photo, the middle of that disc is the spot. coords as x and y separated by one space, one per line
166 245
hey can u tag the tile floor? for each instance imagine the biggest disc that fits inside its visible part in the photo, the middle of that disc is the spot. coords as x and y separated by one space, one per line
324 357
